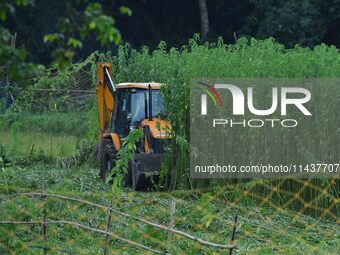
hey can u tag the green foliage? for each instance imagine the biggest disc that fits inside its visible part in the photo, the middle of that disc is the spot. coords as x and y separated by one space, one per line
57 123
175 68
75 43
290 22
5 158
206 212
14 133
9 7
52 92
78 26
9 158
11 57
261 230
247 58
84 154
14 58
58 135
101 24
124 155
304 22
125 10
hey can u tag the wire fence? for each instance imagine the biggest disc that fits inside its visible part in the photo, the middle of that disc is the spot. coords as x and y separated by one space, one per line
70 92
4 88
189 222
46 202
57 116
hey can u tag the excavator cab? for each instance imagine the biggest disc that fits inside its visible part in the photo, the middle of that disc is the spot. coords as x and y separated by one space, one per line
133 105
123 108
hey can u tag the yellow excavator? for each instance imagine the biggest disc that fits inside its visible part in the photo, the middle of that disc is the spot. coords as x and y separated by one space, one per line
122 108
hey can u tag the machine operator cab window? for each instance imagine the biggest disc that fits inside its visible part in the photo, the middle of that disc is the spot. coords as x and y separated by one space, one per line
140 105
135 102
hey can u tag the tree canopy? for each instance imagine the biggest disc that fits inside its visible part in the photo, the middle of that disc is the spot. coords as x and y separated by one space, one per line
64 31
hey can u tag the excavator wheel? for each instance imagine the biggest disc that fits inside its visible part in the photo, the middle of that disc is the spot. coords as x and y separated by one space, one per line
107 158
107 161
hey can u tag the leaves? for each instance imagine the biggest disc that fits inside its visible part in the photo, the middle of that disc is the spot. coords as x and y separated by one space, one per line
125 10
75 43
124 155
9 6
93 9
10 56
91 23
51 37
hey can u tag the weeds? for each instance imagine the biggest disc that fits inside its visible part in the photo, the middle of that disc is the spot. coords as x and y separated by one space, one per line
175 67
71 123
262 230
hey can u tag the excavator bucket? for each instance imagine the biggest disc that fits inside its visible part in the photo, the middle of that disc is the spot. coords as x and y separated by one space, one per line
145 169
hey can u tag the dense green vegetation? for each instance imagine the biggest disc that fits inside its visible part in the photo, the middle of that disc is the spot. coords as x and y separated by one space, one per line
247 58
261 229
70 123
55 134
175 67
49 122
291 22
52 144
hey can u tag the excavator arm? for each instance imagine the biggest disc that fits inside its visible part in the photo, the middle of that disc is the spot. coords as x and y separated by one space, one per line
106 99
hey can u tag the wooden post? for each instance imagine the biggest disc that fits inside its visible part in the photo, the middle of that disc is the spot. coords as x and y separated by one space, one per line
109 220
202 4
171 222
44 231
7 86
31 152
233 235
44 225
235 37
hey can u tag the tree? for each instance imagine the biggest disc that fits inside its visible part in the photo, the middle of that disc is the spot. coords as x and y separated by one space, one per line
202 4
13 59
289 21
83 21
307 22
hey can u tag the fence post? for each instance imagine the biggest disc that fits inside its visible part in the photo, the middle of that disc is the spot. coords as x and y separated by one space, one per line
171 222
109 220
7 85
44 232
44 225
233 235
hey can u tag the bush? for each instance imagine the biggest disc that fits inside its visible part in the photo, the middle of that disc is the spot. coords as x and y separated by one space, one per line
175 67
246 58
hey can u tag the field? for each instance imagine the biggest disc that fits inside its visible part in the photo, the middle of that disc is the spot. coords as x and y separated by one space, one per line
62 145
55 134
48 144
261 229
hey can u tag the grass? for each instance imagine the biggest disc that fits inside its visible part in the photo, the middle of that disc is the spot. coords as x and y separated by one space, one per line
55 145
54 134
176 67
248 58
261 229
268 223
66 123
